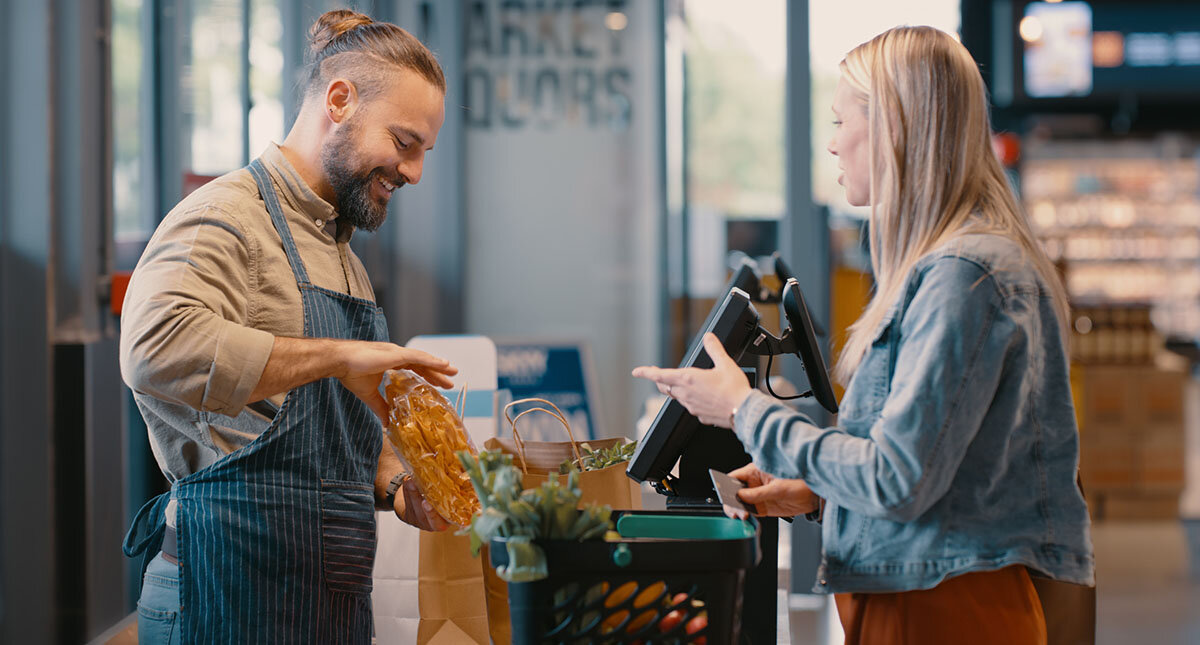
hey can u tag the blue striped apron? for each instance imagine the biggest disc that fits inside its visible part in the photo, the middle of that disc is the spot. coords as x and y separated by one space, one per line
276 541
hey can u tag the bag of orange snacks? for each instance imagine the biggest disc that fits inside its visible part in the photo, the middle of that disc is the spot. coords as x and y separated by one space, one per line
427 432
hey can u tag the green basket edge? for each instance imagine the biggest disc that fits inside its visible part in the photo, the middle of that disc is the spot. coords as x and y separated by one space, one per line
684 527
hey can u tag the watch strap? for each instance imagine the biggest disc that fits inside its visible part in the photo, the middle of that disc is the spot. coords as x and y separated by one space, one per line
393 487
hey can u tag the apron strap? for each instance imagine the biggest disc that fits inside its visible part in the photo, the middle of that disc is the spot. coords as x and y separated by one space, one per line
271 199
146 533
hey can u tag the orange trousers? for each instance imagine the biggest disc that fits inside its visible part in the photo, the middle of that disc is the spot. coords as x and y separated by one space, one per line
980 608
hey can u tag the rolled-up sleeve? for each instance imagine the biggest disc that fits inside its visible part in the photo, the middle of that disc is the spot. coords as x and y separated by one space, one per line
186 334
953 339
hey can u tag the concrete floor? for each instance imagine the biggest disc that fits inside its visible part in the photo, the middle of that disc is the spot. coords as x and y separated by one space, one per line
1144 594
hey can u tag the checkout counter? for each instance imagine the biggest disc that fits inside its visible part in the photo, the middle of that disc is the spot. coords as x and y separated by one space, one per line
677 437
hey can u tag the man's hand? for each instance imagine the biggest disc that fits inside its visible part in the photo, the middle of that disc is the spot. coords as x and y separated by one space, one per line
409 505
710 395
414 509
773 496
365 362
359 364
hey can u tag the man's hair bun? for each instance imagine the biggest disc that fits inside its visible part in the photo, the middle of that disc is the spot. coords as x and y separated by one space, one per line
351 44
330 26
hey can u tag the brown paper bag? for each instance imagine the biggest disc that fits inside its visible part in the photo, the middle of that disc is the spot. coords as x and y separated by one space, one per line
450 591
606 486
538 460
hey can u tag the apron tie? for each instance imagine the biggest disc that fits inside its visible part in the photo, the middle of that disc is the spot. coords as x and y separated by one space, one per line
148 526
146 533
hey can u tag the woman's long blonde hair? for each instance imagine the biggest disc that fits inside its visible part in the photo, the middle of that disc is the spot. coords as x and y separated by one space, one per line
934 175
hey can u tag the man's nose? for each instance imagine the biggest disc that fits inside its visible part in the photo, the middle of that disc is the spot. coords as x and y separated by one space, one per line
831 147
411 170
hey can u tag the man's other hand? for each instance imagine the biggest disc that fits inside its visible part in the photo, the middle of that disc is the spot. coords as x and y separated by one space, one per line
414 509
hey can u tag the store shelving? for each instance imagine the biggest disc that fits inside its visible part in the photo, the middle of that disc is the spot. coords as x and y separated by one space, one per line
1122 221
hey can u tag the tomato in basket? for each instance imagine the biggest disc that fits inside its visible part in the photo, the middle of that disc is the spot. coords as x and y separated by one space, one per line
696 624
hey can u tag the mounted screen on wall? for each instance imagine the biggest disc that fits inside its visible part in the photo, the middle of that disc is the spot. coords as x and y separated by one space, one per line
1101 51
1058 48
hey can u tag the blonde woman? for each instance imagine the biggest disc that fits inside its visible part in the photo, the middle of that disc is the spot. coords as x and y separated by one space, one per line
951 476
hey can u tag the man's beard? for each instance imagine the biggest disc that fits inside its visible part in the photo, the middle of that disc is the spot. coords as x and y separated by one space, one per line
351 189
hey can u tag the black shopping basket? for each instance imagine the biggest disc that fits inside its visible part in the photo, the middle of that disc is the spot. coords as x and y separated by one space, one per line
669 578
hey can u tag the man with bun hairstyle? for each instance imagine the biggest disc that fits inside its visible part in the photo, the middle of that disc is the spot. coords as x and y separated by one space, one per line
255 351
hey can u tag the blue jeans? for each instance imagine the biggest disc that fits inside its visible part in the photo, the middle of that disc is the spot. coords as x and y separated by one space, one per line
158 608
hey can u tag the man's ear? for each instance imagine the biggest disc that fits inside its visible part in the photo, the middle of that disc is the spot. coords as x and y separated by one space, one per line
341 100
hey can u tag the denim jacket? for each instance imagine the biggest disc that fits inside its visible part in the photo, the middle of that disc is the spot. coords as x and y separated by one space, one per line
956 448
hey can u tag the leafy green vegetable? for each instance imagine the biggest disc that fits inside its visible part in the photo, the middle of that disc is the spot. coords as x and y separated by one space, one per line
526 562
619 452
549 511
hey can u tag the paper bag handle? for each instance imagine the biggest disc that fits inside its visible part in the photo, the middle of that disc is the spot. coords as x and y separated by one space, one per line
557 414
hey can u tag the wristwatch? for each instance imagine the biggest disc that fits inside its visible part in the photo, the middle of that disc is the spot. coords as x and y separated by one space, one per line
393 487
816 515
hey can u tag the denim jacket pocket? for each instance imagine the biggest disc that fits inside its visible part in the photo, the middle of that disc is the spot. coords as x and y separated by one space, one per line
842 534
883 334
878 364
347 535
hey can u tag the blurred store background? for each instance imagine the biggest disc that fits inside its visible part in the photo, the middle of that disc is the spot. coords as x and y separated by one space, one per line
602 165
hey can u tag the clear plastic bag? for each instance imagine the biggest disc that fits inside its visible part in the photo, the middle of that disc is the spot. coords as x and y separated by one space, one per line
427 432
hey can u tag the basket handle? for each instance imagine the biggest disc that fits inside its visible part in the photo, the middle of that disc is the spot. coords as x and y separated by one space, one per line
557 414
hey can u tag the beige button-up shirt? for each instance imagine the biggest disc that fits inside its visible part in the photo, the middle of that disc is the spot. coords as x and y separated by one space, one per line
206 300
